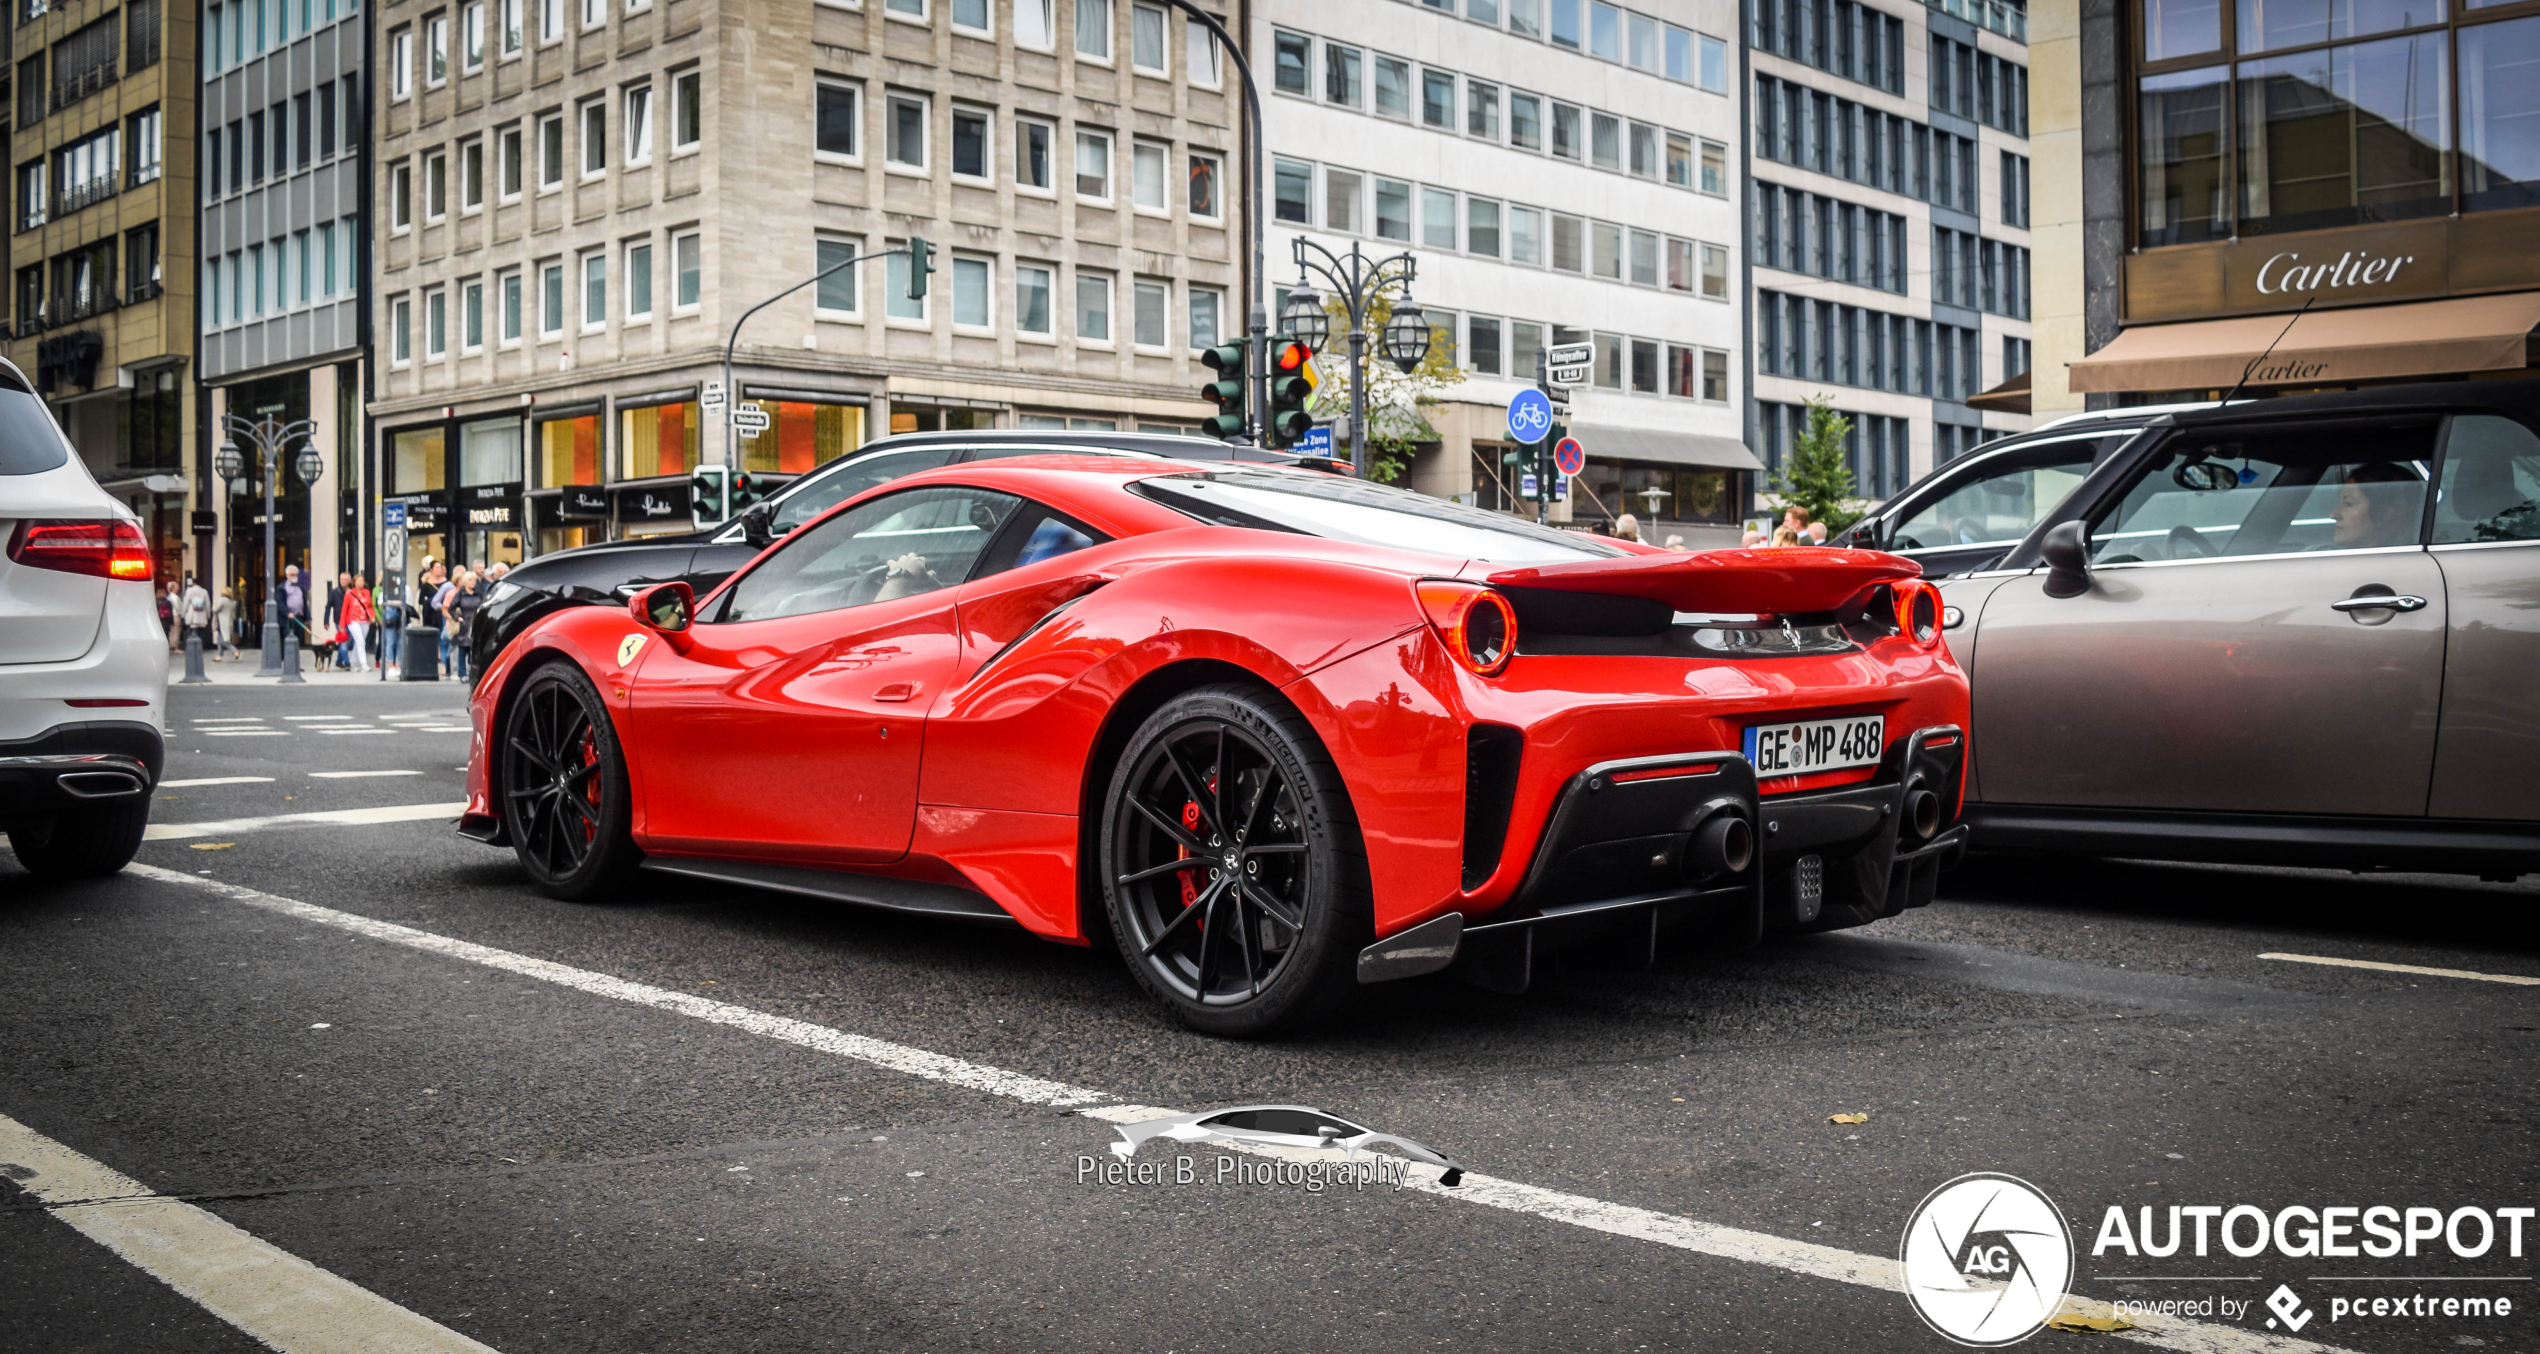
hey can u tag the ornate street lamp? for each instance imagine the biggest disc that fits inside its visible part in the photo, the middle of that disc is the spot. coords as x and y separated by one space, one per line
1406 338
271 438
1304 318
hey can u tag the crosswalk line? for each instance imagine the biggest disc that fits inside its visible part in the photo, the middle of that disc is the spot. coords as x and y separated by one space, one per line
357 775
388 813
242 733
215 780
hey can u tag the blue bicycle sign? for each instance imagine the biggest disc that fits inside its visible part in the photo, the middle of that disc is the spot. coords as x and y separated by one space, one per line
1529 416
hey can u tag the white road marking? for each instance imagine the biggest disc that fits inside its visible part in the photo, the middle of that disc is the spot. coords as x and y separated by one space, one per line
352 730
391 813
1623 1220
319 719
355 775
2517 979
243 719
271 1294
216 780
242 733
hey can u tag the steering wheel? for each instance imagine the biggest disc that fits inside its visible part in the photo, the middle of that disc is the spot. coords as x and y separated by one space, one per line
2186 542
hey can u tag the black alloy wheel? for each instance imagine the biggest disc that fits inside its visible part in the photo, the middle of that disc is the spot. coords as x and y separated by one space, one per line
1232 867
564 785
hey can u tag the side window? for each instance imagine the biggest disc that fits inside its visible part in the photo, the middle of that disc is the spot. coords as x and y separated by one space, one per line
1034 534
2000 505
851 479
898 545
2491 482
2211 494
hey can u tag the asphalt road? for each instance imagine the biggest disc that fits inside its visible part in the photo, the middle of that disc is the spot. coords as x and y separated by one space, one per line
540 1165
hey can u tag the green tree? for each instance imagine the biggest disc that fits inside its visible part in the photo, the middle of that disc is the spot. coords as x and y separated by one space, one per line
1818 477
1397 421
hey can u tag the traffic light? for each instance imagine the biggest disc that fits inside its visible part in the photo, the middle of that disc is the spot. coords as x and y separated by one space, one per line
1231 391
1285 423
746 490
921 266
708 497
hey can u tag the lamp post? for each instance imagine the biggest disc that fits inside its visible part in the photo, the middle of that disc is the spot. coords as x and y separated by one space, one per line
271 438
1356 281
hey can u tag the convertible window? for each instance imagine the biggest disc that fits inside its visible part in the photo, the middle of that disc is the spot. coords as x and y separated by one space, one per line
2491 482
2214 493
896 546
1315 504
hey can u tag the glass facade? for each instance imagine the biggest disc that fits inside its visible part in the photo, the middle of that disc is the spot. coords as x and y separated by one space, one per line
803 436
658 439
2266 116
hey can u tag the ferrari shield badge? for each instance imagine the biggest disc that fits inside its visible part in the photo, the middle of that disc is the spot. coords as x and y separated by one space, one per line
628 647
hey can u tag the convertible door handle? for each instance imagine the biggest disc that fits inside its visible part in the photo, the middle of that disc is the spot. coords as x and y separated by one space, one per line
2377 601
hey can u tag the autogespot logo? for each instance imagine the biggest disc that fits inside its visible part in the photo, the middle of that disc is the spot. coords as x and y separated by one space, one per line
1987 1258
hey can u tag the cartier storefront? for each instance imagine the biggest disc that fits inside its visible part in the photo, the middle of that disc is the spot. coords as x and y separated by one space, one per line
2325 194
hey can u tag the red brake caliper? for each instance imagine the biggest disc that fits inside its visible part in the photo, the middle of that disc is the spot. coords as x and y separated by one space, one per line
591 784
1190 823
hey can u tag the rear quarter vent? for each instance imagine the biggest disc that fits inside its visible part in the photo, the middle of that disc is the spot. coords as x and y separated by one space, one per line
1491 753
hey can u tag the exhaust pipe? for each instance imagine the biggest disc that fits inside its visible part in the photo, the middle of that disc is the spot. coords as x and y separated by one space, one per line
1725 845
99 784
1922 813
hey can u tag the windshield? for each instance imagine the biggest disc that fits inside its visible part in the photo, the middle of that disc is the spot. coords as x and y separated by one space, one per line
1316 504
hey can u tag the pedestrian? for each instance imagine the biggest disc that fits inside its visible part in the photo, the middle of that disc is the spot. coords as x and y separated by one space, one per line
462 612
1794 519
331 624
444 590
392 620
1816 533
1627 528
1676 543
225 624
167 615
358 613
194 610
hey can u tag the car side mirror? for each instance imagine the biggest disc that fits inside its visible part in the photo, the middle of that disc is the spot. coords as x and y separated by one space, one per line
2066 551
664 607
754 528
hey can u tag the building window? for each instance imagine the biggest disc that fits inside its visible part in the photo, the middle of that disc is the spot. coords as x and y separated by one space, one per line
639 282
1206 304
471 36
1093 165
511 27
1525 237
401 196
595 138
550 21
1715 169
1148 299
507 175
401 63
401 338
1437 218
1093 30
1715 272
687 111
834 295
687 262
1481 109
472 317
1093 308
507 309
1292 192
551 318
1644 259
971 279
1341 68
436 187
1715 377
639 125
971 16
1147 176
1034 26
436 71
1200 58
1032 299
1437 98
595 292
141 263
1393 210
908 121
1293 58
144 134
970 150
1147 27
551 151
834 120
436 321
1341 190
1566 132
472 176
1032 141
1203 186
1481 227
1481 345
1525 121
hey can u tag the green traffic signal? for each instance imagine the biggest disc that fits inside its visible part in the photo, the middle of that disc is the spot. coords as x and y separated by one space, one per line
1229 392
921 266
746 490
707 501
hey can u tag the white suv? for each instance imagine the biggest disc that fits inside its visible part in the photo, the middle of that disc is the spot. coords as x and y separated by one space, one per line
83 662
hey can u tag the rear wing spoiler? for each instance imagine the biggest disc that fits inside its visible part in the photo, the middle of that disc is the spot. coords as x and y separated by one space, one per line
1786 580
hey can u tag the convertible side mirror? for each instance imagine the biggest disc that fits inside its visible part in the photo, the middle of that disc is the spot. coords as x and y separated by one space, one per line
664 607
2066 551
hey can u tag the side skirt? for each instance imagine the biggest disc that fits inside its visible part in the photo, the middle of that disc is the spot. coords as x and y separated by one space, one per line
2431 845
865 890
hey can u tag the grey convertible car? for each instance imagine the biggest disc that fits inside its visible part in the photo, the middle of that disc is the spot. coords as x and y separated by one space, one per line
2298 631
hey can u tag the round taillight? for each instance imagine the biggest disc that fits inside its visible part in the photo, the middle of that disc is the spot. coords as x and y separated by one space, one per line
1478 625
1918 611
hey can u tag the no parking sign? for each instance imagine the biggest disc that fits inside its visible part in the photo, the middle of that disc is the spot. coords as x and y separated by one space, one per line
1569 456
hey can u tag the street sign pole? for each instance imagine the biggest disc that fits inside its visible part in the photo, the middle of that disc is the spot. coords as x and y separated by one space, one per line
1543 444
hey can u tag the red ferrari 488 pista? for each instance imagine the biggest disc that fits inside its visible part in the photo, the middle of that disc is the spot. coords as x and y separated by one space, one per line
1278 733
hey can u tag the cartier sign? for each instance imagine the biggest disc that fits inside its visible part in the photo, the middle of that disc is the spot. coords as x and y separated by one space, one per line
2349 266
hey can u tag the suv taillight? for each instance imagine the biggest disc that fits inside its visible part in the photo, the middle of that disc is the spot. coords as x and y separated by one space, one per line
108 549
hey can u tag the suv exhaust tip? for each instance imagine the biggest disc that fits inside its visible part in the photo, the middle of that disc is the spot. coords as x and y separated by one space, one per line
99 784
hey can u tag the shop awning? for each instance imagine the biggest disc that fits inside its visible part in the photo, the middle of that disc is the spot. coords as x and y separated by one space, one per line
2324 347
1666 448
2010 397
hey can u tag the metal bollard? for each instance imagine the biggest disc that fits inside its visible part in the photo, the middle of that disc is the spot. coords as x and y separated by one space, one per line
291 657
194 659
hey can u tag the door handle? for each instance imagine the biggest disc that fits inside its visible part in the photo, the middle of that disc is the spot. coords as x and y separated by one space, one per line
904 691
2377 601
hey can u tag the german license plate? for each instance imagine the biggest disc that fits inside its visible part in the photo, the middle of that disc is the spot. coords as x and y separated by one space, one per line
1816 745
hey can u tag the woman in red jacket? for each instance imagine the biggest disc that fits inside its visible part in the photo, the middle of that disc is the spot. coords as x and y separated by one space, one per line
357 613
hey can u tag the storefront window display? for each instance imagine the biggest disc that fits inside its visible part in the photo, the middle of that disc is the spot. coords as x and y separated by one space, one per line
658 439
803 436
